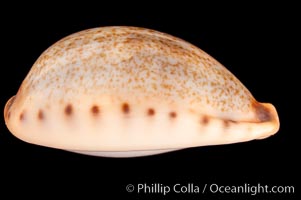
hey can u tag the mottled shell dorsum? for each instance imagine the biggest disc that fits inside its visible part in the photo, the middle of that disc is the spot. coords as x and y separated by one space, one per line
128 88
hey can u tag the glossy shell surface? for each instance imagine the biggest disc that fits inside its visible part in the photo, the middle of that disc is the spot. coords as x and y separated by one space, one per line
128 89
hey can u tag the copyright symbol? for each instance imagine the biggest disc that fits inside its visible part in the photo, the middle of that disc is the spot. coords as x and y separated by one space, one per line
130 188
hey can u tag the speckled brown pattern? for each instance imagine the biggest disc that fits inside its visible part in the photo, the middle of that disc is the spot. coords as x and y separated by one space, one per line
127 61
134 73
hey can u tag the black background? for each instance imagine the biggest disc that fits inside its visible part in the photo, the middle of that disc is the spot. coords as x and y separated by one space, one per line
253 42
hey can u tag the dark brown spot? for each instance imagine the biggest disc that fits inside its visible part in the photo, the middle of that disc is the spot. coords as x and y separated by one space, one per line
172 114
22 116
125 108
205 120
41 115
263 113
150 112
226 123
95 110
68 110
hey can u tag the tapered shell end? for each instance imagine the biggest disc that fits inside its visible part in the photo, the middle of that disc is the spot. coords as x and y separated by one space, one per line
7 107
267 115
